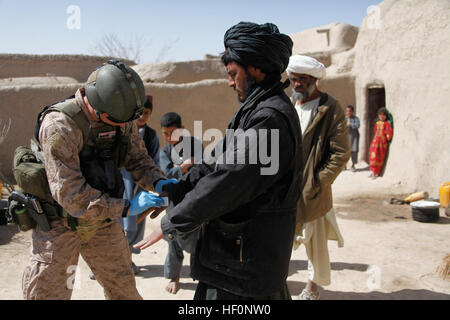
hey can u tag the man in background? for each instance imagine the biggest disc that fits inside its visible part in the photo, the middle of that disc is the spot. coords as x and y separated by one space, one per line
326 150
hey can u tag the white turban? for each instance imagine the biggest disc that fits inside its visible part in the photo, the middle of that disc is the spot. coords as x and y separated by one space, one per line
306 65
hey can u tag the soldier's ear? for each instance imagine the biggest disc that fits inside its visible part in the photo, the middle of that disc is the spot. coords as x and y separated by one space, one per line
91 110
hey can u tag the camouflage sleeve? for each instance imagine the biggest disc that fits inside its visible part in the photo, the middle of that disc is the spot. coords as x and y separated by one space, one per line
143 169
61 142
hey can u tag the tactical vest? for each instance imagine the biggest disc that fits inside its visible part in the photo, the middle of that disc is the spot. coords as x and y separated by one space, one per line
102 155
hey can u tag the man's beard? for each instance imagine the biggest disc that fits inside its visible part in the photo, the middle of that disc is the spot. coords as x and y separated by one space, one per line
248 86
302 96
296 96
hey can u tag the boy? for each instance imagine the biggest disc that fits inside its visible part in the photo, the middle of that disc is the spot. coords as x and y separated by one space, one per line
177 158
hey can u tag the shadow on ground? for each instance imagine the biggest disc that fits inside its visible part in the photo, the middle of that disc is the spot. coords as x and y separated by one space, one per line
443 220
188 286
406 294
155 271
158 271
363 169
296 265
7 233
372 209
296 287
359 169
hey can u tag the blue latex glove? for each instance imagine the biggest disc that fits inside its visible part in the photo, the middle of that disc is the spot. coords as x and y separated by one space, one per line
161 183
144 201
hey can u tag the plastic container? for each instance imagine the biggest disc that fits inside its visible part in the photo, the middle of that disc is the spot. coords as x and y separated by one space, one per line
444 194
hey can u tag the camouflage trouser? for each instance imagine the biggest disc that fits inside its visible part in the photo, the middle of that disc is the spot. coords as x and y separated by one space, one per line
50 272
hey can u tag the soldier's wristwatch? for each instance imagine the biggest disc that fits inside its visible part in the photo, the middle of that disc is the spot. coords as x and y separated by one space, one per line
125 208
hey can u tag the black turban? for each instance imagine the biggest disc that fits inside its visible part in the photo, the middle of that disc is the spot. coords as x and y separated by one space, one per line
261 46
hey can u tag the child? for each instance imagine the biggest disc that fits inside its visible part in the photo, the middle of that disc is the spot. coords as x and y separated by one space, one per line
353 125
177 157
380 143
135 232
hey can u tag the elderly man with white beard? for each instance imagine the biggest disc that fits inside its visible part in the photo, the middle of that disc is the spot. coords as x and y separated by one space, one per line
326 150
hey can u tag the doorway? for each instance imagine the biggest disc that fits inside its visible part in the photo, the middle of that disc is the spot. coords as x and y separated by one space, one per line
376 99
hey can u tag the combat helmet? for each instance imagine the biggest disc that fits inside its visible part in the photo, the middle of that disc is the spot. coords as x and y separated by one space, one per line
117 90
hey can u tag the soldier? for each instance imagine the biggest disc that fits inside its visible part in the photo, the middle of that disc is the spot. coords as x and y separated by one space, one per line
84 142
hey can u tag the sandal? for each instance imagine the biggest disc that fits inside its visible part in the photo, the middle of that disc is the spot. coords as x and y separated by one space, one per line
308 295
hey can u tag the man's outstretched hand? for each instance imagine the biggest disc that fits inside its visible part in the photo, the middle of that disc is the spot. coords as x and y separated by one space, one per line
154 237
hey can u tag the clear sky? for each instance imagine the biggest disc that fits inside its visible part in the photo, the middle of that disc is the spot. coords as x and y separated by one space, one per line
192 28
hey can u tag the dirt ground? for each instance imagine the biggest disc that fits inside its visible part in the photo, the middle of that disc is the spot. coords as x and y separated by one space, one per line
387 255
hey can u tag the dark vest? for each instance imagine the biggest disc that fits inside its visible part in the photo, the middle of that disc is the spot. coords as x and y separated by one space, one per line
104 149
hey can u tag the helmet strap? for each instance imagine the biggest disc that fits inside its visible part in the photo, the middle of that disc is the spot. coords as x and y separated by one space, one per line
114 123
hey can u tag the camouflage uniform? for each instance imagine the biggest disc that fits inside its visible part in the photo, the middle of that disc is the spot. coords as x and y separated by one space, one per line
99 238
